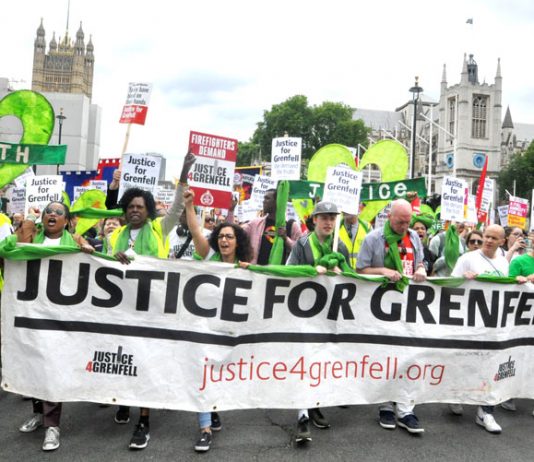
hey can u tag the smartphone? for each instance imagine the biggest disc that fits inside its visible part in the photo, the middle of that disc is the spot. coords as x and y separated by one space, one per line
528 243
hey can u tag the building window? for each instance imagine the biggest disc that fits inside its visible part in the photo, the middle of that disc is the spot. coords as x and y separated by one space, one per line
480 115
452 114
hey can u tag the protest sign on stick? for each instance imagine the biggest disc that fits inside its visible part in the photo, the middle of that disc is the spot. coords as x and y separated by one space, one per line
261 185
135 108
453 198
139 171
212 175
286 155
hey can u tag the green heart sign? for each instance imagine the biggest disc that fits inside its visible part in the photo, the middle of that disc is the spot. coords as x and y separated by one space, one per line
37 117
392 161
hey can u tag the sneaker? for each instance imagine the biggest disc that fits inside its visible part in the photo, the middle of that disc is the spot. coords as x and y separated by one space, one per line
303 430
410 423
488 422
32 424
203 444
509 405
387 420
122 416
456 409
318 419
140 437
216 424
51 439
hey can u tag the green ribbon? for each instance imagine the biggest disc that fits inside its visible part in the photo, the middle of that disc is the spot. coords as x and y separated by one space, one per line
392 258
91 212
23 252
451 250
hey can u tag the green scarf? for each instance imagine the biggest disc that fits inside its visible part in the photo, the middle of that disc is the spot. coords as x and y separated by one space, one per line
392 258
145 243
277 250
323 254
66 238
451 250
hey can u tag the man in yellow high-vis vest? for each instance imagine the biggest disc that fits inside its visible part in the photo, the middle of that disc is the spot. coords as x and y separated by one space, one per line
352 232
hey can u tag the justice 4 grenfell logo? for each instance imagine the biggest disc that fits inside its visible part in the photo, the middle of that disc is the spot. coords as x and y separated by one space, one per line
112 362
506 370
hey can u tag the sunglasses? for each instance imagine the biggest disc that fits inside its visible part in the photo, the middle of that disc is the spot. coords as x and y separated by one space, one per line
209 220
475 241
58 212
228 237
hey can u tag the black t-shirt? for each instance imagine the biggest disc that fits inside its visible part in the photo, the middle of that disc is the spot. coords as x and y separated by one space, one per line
267 240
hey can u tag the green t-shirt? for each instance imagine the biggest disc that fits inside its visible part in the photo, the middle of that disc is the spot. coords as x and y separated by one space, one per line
522 266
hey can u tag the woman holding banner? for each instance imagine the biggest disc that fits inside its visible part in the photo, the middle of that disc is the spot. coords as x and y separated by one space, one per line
144 234
228 243
52 231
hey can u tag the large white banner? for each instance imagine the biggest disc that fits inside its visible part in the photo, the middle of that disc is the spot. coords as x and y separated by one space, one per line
198 336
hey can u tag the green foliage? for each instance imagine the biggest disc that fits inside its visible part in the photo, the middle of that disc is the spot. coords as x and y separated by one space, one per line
520 169
248 153
316 125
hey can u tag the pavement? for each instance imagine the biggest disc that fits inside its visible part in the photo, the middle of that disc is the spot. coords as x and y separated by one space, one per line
88 433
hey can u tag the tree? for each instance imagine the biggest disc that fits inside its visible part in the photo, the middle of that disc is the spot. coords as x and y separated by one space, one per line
248 153
521 170
317 126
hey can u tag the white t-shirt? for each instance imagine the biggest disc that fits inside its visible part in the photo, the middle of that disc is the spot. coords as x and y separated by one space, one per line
478 263
176 242
48 241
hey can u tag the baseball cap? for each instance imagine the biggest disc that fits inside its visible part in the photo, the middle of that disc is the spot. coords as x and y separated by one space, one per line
324 207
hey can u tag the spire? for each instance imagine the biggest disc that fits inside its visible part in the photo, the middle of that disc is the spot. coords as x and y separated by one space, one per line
464 78
40 43
507 122
53 43
444 74
79 46
90 46
498 74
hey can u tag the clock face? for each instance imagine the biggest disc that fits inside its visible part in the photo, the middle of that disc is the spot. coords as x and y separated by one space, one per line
478 159
449 160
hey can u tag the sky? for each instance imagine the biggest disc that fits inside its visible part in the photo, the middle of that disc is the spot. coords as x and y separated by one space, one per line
216 66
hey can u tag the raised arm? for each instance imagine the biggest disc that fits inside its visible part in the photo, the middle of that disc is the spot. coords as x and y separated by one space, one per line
177 206
202 245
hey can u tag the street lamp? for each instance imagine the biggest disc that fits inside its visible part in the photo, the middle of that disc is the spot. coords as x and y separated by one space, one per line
415 90
60 118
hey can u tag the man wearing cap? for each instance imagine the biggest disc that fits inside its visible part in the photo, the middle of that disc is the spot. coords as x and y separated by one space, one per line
395 251
308 250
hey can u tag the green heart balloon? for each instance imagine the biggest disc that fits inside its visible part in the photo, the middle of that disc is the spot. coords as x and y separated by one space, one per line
37 117
330 155
392 160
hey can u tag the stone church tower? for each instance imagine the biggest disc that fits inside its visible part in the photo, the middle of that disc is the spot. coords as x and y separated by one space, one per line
470 111
68 66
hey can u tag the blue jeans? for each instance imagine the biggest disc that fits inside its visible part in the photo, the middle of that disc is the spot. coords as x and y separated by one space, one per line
204 419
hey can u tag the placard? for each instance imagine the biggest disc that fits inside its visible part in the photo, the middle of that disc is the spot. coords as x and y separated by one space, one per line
286 156
41 190
503 215
20 181
343 187
136 107
101 185
139 171
212 175
453 199
262 183
517 212
17 200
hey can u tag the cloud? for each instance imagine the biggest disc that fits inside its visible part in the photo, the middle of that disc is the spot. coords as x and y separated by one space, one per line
200 88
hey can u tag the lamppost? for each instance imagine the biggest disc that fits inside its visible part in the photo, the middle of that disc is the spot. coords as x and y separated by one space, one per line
60 118
415 90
